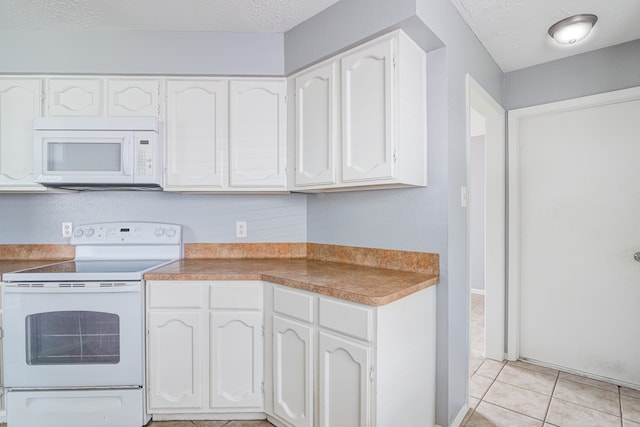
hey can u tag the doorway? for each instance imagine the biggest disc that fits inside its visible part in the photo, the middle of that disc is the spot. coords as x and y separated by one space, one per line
486 217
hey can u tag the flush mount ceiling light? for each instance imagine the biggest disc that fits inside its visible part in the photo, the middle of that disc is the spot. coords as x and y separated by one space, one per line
572 29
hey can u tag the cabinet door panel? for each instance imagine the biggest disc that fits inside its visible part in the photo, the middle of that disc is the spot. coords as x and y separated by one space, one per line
236 359
316 126
132 98
293 371
196 134
257 134
344 386
367 113
74 97
19 105
175 360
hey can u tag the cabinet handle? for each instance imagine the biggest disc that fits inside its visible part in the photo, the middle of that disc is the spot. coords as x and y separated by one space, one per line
636 256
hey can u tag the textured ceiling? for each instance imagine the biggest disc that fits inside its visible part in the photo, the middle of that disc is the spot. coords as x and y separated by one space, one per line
515 31
171 15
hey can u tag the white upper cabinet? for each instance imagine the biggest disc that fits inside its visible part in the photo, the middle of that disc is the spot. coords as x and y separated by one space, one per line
257 134
74 97
382 118
102 97
196 135
20 102
368 105
133 98
316 125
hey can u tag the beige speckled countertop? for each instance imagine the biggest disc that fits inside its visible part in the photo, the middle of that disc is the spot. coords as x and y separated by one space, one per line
363 275
361 284
368 276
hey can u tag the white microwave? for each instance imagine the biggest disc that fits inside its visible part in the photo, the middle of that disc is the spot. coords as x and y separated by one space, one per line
88 152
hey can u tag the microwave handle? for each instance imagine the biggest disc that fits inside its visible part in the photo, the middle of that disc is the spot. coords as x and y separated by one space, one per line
127 164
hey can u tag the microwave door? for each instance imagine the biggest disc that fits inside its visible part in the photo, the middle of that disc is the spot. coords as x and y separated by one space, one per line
85 158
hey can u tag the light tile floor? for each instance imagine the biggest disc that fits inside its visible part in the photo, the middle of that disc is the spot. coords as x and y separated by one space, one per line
521 394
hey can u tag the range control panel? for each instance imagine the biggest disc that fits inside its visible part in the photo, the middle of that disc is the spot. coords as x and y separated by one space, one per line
135 233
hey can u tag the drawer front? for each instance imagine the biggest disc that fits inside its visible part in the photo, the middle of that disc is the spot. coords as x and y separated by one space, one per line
169 294
293 304
236 295
346 318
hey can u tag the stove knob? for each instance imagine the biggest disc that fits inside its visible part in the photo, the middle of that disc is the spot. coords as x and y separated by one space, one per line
90 232
78 232
171 232
159 232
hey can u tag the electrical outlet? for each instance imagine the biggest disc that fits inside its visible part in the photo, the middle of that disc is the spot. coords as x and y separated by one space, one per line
67 230
241 229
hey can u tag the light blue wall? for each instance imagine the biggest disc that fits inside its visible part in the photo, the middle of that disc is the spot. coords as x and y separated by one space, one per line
207 218
423 219
604 70
37 218
141 52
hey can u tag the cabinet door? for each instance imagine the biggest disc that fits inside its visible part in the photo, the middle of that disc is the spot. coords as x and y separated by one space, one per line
316 126
19 103
175 355
132 98
293 372
196 137
236 359
344 382
257 134
74 97
368 100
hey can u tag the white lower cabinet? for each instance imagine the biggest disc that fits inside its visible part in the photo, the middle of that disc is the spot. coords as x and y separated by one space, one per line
327 363
344 375
204 347
341 364
293 371
236 359
176 360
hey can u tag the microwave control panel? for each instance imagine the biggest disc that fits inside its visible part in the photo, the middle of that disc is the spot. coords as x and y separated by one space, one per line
144 154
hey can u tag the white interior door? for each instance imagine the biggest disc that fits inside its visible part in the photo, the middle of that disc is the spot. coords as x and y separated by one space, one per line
574 229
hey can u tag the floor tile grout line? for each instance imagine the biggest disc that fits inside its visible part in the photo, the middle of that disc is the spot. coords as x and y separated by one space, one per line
620 401
593 409
591 385
546 414
522 388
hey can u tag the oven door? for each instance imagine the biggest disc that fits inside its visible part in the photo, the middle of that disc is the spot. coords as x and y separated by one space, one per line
73 335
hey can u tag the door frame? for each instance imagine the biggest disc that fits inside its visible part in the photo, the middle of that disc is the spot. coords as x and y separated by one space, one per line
495 215
514 223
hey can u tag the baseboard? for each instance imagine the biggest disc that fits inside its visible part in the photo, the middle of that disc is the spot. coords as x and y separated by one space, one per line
478 291
457 421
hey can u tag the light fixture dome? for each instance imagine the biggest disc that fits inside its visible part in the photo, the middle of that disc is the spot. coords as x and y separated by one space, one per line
573 29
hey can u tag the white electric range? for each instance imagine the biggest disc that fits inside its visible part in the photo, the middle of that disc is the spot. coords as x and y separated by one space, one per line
74 330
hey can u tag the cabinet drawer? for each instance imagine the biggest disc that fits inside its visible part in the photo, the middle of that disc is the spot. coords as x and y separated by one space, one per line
293 304
175 295
236 295
346 318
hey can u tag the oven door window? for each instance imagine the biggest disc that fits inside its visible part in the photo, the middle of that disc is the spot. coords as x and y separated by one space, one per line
73 338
